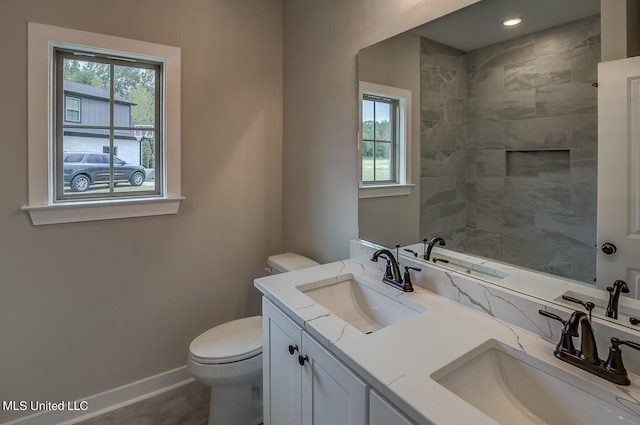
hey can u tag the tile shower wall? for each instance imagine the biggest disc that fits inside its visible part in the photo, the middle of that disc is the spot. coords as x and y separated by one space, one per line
522 166
443 115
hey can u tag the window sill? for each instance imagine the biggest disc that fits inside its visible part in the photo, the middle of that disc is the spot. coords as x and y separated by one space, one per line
72 212
385 190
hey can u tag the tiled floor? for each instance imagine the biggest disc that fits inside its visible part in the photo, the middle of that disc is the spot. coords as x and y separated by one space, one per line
187 405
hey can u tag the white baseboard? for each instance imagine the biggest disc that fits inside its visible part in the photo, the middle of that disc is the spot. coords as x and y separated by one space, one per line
114 399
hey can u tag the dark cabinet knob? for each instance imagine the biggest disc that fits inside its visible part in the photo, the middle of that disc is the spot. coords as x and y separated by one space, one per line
609 248
292 349
302 359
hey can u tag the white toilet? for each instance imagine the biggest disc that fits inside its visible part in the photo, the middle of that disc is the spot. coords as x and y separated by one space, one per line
229 358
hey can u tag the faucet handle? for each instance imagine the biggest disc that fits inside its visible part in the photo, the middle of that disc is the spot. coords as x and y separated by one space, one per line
552 316
630 344
566 341
408 286
415 254
614 362
407 276
588 305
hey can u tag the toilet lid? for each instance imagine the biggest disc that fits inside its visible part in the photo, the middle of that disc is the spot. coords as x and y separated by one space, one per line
230 342
290 261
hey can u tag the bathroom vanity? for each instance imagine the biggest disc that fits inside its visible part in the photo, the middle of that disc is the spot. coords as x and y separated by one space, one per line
342 347
304 380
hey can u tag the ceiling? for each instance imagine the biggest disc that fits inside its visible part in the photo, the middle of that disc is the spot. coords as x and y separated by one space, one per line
483 21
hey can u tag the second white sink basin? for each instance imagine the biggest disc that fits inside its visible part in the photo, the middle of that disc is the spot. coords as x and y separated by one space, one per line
360 303
514 388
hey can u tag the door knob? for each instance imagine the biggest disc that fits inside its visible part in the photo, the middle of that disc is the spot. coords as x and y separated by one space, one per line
292 349
609 248
302 359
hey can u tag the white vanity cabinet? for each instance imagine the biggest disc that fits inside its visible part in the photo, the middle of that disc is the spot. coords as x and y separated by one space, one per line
381 412
282 375
303 383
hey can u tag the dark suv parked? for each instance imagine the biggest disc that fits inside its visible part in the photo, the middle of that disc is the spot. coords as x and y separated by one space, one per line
82 169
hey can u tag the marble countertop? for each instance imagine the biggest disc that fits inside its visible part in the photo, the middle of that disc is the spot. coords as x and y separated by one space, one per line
398 360
535 283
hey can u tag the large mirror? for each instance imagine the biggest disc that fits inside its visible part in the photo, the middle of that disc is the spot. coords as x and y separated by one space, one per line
502 132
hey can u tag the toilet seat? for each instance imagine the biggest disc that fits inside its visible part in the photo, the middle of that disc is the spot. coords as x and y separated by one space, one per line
230 342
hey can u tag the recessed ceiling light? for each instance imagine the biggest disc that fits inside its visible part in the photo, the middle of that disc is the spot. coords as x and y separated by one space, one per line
511 22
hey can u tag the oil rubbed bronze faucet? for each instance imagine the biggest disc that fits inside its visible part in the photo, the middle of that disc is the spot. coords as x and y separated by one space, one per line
619 286
588 348
429 246
394 278
587 358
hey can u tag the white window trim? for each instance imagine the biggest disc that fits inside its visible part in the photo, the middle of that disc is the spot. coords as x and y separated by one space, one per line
42 208
378 191
404 185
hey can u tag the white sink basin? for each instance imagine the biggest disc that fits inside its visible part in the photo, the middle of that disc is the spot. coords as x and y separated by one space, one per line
360 303
514 388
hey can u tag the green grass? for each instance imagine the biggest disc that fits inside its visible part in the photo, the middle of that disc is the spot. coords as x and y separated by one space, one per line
382 166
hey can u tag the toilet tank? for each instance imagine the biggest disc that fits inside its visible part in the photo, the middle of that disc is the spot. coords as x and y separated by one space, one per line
287 262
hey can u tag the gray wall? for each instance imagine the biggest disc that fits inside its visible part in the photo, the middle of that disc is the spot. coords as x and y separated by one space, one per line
620 29
320 172
394 62
88 307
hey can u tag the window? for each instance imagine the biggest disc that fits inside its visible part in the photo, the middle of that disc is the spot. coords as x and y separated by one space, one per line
379 139
107 149
100 89
72 109
120 95
385 161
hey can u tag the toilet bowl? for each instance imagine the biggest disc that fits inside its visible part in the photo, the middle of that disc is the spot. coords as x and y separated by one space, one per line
229 359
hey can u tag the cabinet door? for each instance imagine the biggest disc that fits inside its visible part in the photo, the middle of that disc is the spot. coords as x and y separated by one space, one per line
331 393
281 370
381 412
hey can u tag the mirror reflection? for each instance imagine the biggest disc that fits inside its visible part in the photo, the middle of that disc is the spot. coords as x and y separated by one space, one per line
502 140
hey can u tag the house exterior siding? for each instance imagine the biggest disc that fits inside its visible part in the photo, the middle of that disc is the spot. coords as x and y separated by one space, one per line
94 112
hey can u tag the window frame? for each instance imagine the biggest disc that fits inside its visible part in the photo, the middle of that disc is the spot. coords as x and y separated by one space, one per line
41 207
402 184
